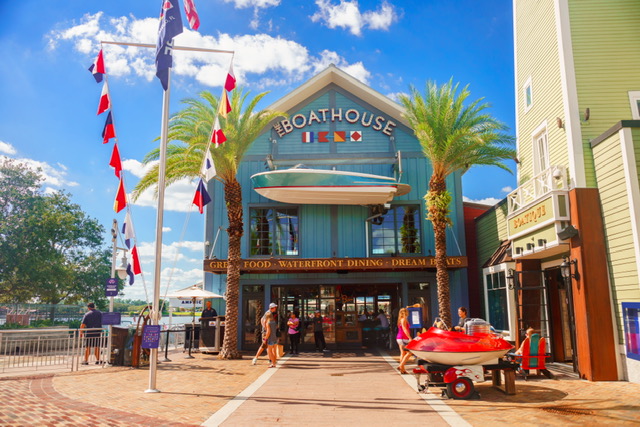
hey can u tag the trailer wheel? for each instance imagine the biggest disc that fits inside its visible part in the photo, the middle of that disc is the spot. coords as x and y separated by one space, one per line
461 388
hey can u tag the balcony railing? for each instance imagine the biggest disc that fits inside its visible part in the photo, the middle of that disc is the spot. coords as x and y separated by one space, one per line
551 179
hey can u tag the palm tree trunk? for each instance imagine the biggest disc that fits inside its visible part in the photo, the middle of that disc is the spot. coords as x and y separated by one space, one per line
233 199
438 214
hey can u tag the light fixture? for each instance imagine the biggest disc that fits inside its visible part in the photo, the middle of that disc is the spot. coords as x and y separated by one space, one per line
510 278
587 114
542 242
568 232
530 246
559 123
565 269
518 250
122 270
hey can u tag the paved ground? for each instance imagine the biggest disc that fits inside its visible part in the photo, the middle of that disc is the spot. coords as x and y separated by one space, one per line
342 389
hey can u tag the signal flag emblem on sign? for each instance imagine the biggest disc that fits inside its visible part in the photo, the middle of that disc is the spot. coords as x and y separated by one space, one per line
355 136
307 136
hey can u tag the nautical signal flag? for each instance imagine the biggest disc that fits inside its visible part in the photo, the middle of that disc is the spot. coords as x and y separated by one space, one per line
115 161
355 136
135 260
121 198
322 136
109 130
230 83
307 136
217 135
170 26
225 105
192 14
97 68
105 100
201 197
208 168
127 230
339 136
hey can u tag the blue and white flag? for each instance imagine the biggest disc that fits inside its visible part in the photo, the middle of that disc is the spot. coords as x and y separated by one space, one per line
127 230
208 169
170 26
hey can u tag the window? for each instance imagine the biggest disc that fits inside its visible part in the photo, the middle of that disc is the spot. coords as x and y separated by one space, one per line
540 150
397 230
528 95
274 231
634 98
497 300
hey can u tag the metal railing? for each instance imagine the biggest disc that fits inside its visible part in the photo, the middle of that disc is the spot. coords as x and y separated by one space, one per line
36 350
551 179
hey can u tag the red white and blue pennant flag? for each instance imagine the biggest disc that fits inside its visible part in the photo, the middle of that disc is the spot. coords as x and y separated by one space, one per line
109 130
133 267
170 26
208 169
97 68
201 197
192 14
105 100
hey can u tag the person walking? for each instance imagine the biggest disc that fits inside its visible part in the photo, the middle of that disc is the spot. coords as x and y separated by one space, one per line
263 324
403 337
294 333
270 339
318 333
91 320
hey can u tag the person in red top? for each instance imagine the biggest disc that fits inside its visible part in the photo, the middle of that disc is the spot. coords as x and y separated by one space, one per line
294 332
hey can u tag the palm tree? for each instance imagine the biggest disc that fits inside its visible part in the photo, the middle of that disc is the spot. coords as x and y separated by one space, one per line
454 137
189 131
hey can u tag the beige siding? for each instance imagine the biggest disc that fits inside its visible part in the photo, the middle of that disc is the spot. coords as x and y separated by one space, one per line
606 50
623 269
538 58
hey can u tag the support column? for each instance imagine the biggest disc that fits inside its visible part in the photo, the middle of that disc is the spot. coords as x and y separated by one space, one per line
596 349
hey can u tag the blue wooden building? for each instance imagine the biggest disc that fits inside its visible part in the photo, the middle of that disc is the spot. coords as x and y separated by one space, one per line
346 261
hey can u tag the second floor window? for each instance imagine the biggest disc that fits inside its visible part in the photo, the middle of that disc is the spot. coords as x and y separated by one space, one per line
274 231
541 152
397 231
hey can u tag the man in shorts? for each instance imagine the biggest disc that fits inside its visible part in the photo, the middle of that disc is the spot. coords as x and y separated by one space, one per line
263 344
92 319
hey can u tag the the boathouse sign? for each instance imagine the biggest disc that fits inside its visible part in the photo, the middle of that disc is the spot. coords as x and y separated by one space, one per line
323 115
340 265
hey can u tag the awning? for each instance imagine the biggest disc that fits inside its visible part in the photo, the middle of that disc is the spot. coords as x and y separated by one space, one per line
500 256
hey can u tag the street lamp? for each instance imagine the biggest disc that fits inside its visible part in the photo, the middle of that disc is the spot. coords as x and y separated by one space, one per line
565 269
510 278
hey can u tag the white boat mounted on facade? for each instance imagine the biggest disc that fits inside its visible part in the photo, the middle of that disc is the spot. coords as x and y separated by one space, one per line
327 187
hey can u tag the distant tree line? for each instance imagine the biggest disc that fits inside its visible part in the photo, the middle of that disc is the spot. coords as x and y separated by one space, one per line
51 252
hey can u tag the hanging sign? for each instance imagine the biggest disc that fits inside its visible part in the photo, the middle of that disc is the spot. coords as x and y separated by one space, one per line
151 336
415 317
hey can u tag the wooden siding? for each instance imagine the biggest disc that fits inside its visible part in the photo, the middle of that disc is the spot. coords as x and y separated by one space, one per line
606 55
491 230
538 58
623 270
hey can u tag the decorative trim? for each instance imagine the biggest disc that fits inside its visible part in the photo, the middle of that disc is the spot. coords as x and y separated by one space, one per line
570 95
633 188
612 130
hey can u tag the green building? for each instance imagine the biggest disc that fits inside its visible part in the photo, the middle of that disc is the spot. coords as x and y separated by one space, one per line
561 252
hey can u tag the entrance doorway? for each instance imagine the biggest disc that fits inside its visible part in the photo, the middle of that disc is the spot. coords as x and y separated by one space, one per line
348 311
544 303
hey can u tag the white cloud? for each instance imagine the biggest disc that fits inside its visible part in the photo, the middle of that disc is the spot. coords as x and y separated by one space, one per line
507 189
489 201
178 197
395 96
271 59
357 70
7 148
166 229
242 4
54 176
346 14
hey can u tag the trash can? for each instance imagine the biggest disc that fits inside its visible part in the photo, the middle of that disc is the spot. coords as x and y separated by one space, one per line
190 328
207 342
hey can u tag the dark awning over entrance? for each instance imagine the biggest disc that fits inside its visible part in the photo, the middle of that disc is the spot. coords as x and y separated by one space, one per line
501 255
332 265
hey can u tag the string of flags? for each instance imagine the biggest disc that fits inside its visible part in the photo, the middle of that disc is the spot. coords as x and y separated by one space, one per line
170 26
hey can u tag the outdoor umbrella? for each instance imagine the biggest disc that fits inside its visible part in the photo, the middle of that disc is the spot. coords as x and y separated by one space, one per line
193 293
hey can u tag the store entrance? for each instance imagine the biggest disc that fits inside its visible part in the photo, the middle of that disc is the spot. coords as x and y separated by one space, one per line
349 312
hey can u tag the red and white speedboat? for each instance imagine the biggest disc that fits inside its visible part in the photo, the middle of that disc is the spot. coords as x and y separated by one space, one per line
457 348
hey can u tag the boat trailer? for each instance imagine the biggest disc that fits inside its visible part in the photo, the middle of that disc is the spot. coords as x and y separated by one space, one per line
458 380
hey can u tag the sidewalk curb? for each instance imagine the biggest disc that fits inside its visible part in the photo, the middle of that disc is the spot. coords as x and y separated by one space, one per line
450 416
223 413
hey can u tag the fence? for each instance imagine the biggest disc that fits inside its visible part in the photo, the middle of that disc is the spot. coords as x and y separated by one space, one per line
29 350
24 314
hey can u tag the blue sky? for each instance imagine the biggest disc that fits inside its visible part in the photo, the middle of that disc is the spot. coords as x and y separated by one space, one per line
48 99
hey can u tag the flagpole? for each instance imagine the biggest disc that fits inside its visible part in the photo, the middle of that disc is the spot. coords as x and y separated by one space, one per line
155 315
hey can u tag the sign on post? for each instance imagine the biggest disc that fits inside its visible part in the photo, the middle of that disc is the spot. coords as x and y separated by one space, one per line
151 336
111 287
111 318
415 317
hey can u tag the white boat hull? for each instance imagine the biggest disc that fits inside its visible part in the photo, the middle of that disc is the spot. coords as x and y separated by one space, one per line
460 358
330 195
